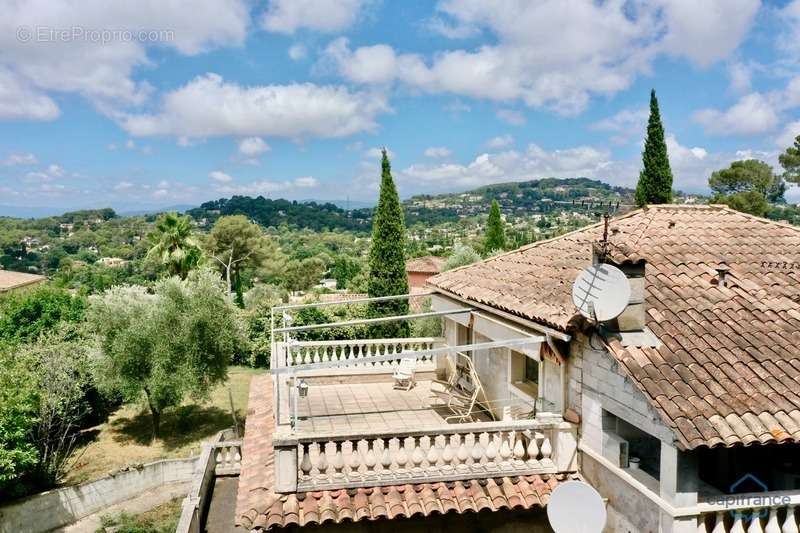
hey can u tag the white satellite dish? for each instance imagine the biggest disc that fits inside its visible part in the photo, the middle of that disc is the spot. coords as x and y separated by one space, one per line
575 507
601 292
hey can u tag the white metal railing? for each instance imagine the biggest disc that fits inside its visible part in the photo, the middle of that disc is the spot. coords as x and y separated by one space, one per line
309 352
775 519
453 452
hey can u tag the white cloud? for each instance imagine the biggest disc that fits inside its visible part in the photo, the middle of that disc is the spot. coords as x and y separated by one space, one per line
626 124
55 170
287 16
297 52
306 182
554 54
435 152
103 72
208 106
753 113
253 146
20 159
708 31
788 135
20 100
500 141
515 118
741 77
130 144
123 186
218 175
377 153
789 38
37 176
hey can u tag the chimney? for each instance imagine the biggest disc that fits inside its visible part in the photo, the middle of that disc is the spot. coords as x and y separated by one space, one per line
632 319
722 273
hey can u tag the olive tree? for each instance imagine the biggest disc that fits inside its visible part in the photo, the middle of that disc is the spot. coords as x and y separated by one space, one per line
165 346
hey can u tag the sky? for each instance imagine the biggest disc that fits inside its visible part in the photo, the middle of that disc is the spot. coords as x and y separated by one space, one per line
165 102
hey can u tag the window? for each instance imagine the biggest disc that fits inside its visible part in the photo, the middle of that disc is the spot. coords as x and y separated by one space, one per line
524 374
629 447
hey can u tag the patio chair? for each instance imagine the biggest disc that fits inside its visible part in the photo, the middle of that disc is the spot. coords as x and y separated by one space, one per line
404 373
461 390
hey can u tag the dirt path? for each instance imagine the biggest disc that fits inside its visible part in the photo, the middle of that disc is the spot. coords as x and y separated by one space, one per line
144 502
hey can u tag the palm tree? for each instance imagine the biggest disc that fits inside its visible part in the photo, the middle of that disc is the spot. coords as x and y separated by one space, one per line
174 245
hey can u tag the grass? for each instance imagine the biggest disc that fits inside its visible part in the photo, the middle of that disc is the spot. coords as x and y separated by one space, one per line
162 519
124 439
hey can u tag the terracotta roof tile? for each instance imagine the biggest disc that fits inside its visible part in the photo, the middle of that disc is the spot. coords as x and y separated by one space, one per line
259 508
730 355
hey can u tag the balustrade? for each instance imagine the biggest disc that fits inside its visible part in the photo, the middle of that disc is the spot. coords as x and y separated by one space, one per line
307 352
780 519
372 461
228 458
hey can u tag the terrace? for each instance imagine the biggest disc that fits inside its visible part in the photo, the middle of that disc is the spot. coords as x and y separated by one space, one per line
340 422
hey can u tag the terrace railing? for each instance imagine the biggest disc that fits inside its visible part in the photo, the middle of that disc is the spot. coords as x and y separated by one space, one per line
452 452
771 512
308 352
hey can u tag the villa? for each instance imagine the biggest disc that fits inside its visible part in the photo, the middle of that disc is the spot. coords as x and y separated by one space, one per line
683 412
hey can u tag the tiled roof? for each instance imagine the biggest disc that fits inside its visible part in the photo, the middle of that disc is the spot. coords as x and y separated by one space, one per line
728 371
14 280
259 508
429 264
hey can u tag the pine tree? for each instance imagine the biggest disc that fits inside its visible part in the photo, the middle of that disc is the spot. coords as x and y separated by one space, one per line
655 179
495 234
790 161
387 258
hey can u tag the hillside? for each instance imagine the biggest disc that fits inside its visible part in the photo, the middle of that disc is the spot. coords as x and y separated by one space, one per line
518 198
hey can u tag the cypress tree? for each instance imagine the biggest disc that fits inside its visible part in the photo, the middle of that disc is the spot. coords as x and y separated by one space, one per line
655 179
387 258
495 234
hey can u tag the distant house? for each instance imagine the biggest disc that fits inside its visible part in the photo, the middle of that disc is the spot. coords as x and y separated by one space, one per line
112 262
10 280
422 268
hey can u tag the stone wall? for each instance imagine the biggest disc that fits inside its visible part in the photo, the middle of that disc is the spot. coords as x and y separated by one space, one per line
60 507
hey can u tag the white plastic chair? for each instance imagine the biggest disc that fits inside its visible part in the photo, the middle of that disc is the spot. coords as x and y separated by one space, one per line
404 373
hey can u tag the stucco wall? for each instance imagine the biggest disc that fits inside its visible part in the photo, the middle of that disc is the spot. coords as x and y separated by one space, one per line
492 368
628 510
60 507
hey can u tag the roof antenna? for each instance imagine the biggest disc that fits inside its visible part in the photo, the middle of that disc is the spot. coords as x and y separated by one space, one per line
604 242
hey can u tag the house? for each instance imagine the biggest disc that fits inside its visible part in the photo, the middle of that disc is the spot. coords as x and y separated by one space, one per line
112 262
683 412
688 402
10 280
422 268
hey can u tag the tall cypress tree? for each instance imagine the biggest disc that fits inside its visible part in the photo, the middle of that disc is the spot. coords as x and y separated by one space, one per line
655 179
495 235
387 258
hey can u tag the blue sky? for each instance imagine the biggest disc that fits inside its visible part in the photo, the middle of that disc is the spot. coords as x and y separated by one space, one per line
156 103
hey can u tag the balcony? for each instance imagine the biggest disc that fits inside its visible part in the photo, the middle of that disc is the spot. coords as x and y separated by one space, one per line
351 427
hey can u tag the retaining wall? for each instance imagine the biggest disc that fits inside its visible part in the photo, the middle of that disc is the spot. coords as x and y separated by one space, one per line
60 507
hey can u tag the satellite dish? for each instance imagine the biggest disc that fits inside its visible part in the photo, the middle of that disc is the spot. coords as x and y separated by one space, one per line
601 292
575 507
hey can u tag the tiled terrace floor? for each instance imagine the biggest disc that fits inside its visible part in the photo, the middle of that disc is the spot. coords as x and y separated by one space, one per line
367 407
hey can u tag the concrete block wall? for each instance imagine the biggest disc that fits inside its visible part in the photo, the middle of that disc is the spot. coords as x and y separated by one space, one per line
60 507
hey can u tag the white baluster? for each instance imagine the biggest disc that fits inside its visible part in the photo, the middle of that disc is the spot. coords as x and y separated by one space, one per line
491 453
353 461
433 454
505 453
547 451
462 455
386 459
316 358
338 463
772 524
701 524
448 454
476 454
417 457
533 451
322 464
305 463
790 524
370 458
755 522
738 523
719 525
425 445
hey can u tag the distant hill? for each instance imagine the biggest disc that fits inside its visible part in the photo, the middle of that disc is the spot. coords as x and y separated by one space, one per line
268 212
519 198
